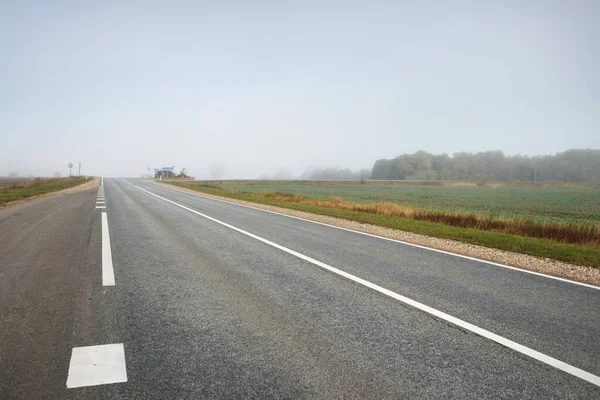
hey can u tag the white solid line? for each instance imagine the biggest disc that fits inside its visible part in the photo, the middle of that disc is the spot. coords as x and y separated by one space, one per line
392 240
108 273
97 365
439 314
100 206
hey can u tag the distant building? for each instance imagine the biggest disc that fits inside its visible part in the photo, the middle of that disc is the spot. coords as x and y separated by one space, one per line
164 172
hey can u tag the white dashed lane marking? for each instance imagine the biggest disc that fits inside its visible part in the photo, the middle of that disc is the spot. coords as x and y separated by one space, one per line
103 364
108 273
97 365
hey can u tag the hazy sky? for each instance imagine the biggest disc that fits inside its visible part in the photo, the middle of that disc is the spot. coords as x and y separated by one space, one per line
262 86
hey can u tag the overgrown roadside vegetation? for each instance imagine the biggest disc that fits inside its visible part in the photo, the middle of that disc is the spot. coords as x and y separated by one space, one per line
36 187
571 241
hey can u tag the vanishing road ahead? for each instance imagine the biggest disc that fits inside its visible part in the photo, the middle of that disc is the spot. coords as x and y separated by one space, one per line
135 290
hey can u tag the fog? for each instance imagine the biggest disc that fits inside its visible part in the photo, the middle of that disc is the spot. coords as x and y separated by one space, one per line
243 89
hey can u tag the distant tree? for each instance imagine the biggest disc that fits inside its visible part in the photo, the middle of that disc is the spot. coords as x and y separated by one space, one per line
57 174
217 171
578 165
182 174
385 170
329 174
362 174
282 175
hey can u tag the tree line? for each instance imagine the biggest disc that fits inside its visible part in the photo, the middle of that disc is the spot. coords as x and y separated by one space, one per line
569 166
337 174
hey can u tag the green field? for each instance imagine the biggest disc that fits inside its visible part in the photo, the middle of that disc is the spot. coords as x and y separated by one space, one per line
19 191
576 203
558 221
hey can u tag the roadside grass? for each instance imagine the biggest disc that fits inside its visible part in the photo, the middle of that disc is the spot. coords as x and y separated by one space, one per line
36 187
470 229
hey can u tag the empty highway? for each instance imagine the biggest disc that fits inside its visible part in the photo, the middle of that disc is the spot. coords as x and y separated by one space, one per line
135 290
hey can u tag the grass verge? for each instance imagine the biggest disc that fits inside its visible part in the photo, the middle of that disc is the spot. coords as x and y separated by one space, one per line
36 187
575 253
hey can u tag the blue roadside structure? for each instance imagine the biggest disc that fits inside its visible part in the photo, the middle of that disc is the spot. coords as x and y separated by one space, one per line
164 172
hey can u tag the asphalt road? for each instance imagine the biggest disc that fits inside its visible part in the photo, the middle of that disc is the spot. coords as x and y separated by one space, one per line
203 310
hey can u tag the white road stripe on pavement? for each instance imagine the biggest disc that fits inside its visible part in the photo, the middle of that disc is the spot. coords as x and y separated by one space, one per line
391 240
97 365
572 370
100 206
108 273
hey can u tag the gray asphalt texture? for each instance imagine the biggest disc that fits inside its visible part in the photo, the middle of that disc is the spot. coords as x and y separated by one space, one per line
206 312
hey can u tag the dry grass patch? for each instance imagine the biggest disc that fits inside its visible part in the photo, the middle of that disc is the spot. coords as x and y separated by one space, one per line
562 232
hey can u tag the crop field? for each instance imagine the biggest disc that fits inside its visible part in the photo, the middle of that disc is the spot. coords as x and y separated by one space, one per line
572 204
550 220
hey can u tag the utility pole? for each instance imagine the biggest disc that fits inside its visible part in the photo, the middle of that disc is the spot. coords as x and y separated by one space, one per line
80 169
70 166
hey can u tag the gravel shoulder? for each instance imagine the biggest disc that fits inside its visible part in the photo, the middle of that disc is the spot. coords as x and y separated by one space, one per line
84 186
547 266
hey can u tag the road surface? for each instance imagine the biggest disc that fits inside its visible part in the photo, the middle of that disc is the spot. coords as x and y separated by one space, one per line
134 290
